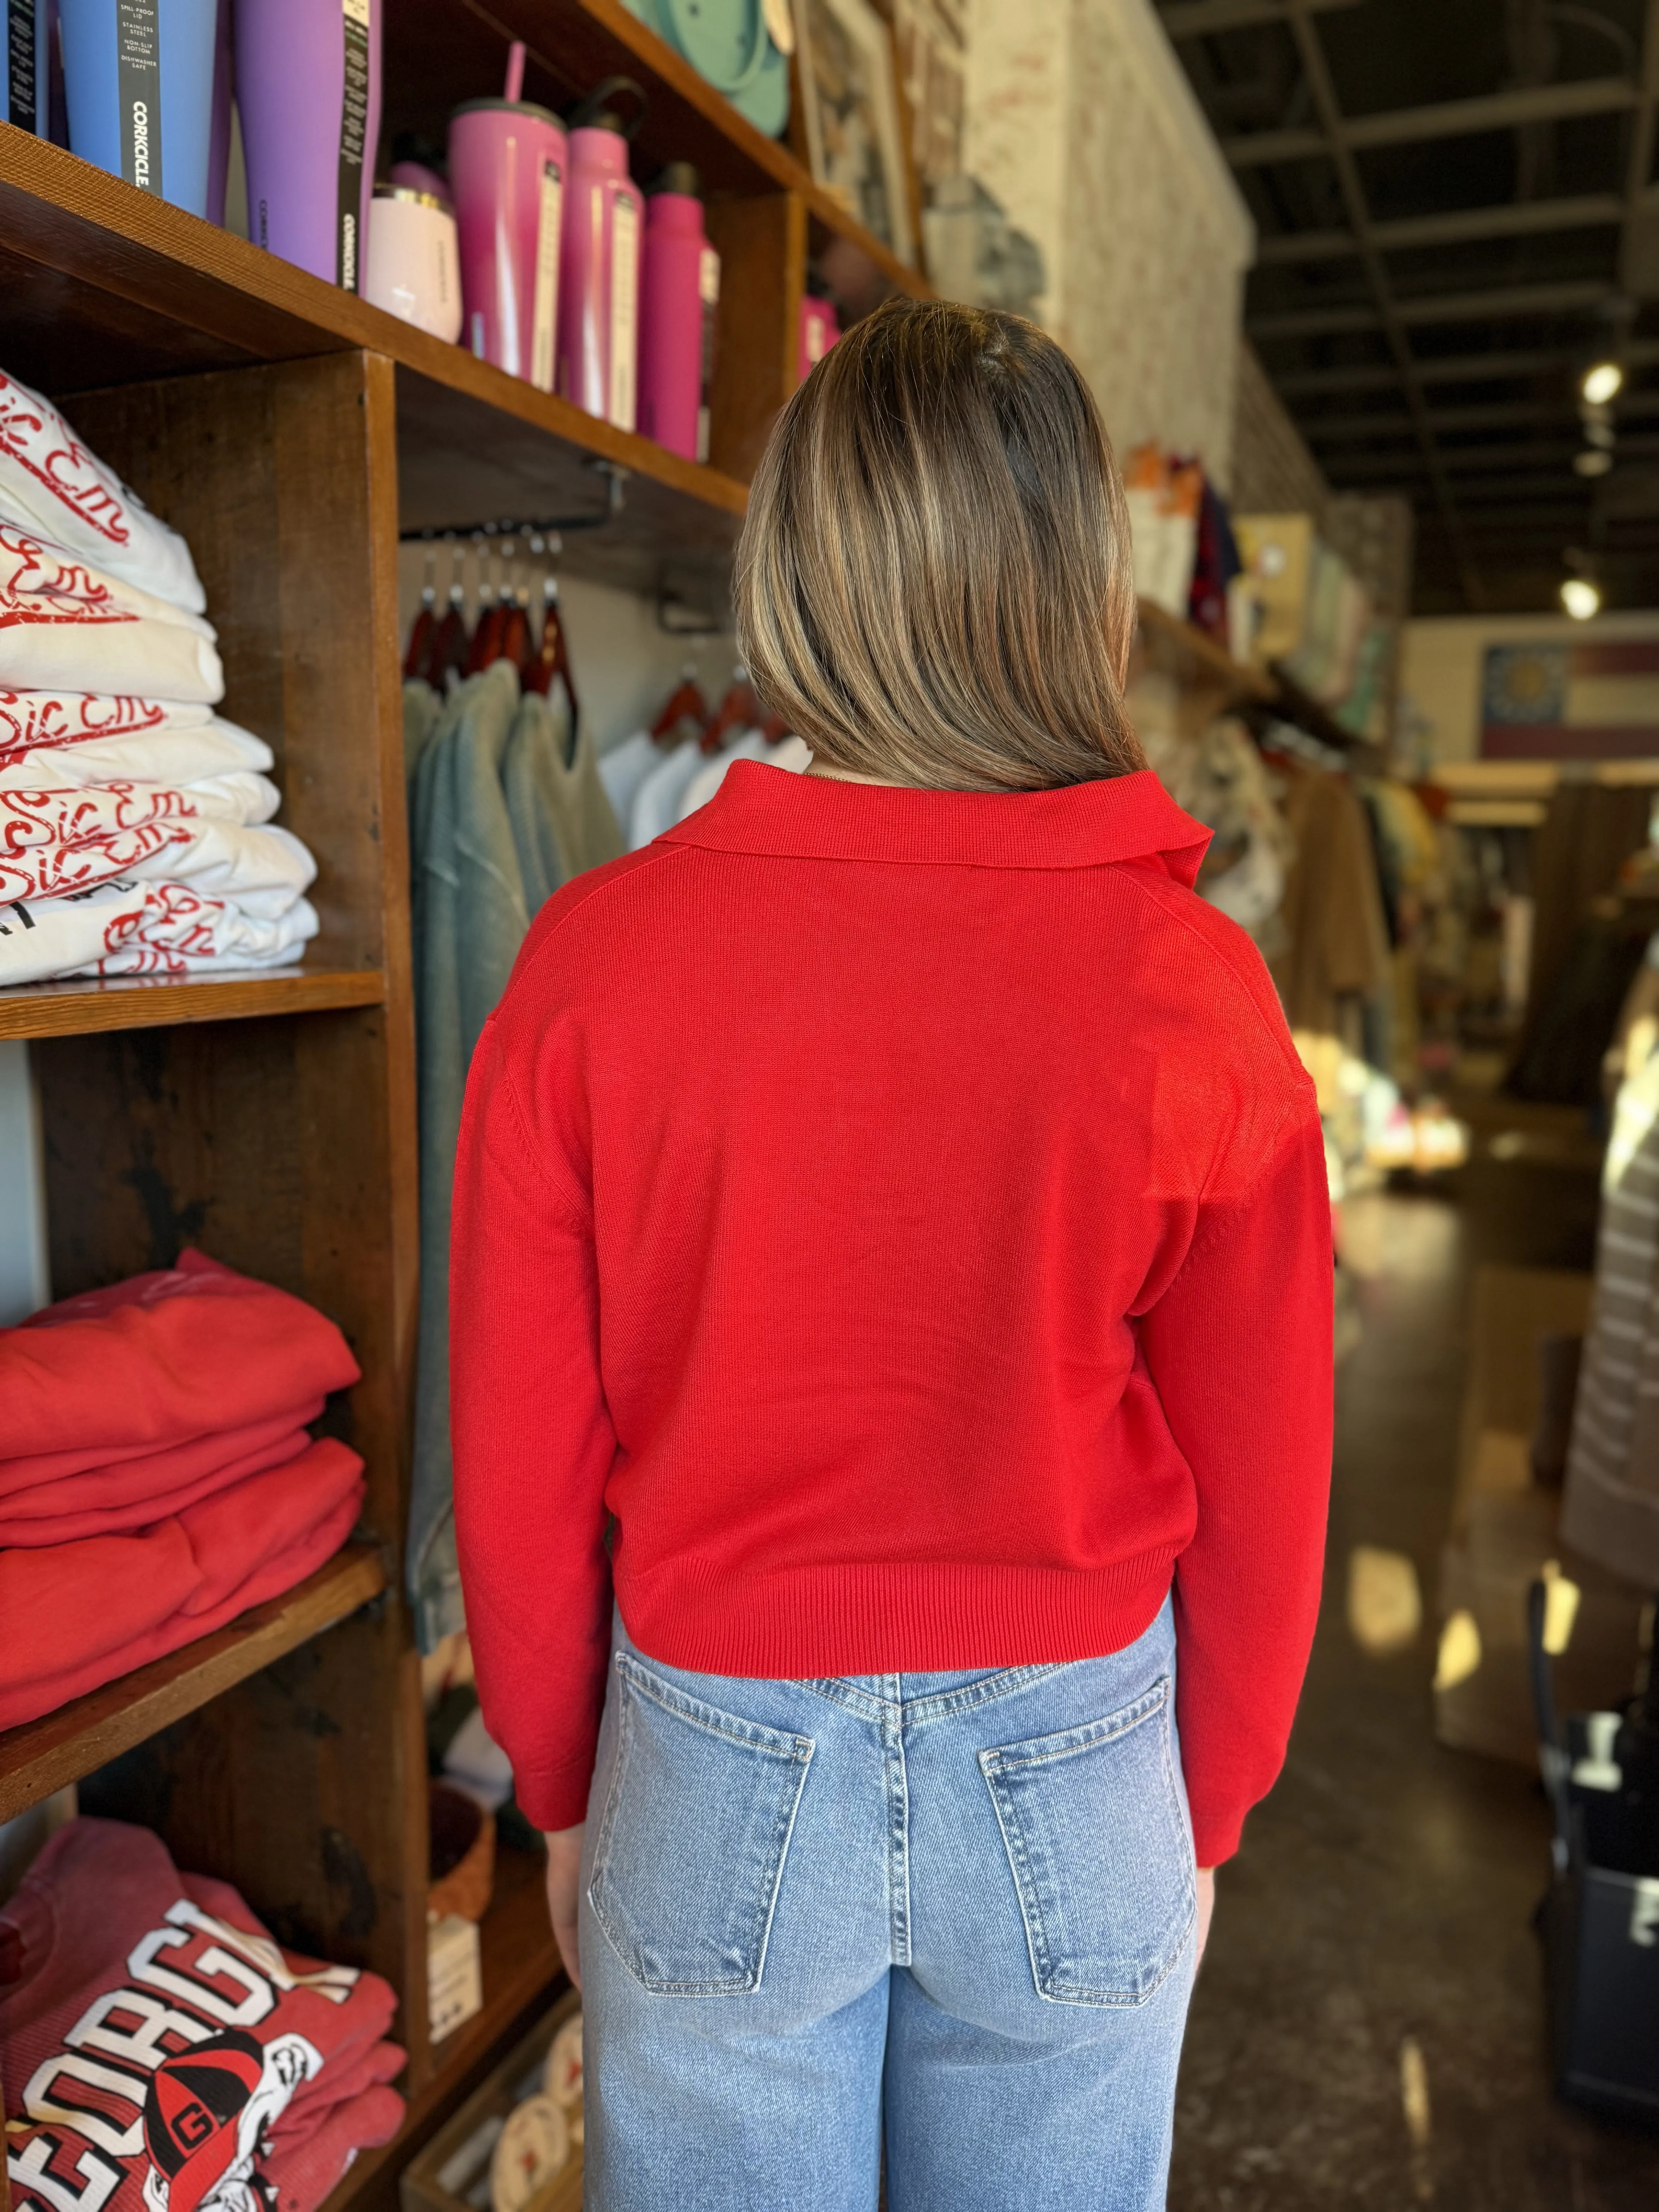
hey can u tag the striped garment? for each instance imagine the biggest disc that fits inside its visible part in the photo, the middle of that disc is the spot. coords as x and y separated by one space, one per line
1611 1509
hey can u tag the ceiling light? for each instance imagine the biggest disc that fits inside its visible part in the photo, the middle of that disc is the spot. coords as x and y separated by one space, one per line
1592 462
1600 381
1580 597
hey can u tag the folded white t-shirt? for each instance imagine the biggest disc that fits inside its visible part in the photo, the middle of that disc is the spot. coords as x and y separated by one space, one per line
65 839
49 483
262 872
30 721
168 755
64 624
128 927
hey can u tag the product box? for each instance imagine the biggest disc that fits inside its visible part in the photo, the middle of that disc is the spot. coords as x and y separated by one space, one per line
453 2172
1277 551
1504 1538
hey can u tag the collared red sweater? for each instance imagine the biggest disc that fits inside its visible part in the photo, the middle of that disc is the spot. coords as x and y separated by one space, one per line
905 1213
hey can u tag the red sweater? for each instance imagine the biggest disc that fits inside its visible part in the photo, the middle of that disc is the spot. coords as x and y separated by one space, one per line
905 1213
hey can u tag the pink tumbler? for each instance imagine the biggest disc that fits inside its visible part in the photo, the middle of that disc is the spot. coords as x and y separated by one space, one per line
679 291
819 330
507 173
599 276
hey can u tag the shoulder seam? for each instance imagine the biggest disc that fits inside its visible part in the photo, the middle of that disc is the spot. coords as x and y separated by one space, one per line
1282 1046
653 859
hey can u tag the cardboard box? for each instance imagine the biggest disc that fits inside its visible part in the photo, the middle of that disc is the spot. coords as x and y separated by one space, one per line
1278 553
1503 1537
1482 1689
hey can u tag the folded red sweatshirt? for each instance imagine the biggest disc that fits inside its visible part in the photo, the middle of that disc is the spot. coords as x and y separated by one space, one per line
79 1614
161 2053
157 1360
129 1494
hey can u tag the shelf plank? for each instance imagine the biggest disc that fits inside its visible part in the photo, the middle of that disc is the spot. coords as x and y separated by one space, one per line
44 1755
106 285
77 1008
571 46
1201 657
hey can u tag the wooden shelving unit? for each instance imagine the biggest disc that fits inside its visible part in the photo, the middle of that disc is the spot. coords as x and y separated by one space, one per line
68 1745
293 433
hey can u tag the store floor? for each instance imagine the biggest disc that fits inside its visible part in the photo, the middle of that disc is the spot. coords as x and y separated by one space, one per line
1373 1939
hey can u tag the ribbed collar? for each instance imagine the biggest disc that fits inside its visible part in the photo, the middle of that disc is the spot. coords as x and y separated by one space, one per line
760 809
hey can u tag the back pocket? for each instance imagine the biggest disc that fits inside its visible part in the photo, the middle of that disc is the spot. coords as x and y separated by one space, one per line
1092 1820
693 1840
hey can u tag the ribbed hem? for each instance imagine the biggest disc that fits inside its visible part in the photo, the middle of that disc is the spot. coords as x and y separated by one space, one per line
889 1617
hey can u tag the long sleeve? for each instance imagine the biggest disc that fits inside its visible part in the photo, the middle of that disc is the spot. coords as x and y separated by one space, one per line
1240 1349
533 1444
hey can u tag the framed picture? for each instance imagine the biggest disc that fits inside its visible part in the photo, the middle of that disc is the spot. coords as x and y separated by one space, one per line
850 109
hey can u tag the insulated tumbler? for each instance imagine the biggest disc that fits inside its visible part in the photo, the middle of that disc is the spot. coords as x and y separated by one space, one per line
507 175
679 292
138 78
308 89
599 277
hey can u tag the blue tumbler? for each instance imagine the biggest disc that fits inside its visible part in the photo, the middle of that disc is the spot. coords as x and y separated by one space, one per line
139 77
24 66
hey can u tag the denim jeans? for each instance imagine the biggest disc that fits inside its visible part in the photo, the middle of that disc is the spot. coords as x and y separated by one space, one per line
949 1916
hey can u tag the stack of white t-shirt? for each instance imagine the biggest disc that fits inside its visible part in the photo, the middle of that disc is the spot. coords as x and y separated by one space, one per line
136 831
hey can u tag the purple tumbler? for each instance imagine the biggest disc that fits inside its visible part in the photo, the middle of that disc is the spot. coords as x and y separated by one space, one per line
506 170
679 291
308 89
599 276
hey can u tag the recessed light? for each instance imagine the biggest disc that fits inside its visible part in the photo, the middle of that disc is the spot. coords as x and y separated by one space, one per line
1580 597
1594 461
1600 381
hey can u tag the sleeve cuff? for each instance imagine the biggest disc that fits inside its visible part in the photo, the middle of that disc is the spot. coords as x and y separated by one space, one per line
555 1800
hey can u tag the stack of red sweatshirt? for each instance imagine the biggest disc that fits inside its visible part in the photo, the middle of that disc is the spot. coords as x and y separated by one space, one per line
160 2053
159 1477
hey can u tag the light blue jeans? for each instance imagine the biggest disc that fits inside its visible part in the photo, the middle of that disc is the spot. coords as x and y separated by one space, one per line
949 1914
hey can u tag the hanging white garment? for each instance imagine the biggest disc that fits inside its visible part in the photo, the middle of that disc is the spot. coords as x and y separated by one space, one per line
64 625
656 802
624 768
50 483
792 754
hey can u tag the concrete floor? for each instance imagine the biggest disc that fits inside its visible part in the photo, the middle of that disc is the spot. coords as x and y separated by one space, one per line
1384 1894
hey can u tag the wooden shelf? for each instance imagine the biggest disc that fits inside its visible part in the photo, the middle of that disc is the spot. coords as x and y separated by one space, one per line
107 285
43 1755
1200 656
571 46
148 1002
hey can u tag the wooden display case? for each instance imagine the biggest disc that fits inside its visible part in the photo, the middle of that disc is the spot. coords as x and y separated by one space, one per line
292 433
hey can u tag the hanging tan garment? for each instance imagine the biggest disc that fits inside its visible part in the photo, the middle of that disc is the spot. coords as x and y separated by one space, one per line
1338 944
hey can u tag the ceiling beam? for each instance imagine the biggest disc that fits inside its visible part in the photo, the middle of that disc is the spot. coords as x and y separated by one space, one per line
1518 300
1451 369
1526 219
1440 118
1202 19
1339 429
1311 54
1555 462
1640 163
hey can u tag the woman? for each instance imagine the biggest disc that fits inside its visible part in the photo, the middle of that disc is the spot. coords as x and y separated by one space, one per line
892 1252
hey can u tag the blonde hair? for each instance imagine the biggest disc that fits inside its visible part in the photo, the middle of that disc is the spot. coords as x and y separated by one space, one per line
934 583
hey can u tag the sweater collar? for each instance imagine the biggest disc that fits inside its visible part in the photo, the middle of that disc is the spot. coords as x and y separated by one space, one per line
761 809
